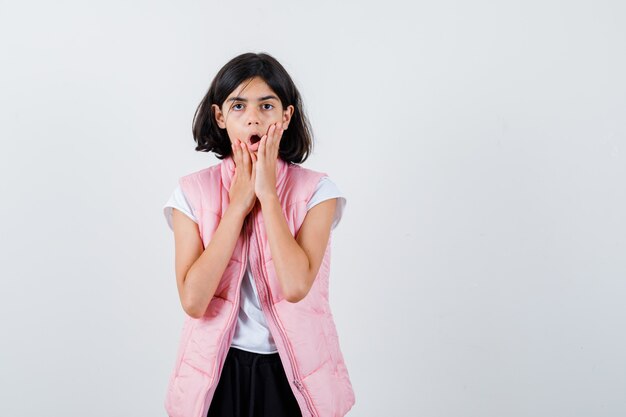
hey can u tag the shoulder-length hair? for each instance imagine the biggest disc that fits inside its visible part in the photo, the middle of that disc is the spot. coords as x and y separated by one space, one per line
296 143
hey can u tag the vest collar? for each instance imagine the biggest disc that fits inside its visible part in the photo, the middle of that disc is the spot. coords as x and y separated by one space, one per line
228 166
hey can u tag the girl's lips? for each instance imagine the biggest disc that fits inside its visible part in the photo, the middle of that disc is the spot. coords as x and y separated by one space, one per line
252 142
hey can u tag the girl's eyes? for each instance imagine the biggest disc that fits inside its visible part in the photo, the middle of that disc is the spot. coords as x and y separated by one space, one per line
241 104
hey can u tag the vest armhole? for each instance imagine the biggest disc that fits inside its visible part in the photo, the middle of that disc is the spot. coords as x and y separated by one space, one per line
311 191
191 195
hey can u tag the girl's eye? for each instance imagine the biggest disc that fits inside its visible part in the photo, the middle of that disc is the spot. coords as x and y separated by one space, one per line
271 106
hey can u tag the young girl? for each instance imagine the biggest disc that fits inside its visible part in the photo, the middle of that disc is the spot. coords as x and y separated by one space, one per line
252 243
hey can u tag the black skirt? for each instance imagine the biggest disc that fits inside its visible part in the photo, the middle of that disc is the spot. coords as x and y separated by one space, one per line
253 385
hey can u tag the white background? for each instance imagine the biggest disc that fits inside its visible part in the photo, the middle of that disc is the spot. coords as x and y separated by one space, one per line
479 269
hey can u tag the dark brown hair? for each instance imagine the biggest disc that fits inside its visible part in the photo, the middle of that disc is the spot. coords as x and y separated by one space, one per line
296 143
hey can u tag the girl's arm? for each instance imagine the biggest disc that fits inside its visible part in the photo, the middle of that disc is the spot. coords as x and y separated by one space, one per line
297 260
198 270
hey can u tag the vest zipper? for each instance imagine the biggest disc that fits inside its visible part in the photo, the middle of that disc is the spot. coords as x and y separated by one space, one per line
290 354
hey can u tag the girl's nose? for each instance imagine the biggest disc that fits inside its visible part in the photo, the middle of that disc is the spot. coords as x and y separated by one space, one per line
253 118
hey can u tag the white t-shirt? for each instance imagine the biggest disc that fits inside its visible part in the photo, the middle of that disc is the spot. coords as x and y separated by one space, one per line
252 333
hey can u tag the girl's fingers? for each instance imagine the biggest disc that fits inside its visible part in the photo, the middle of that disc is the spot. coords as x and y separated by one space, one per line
261 148
279 136
272 138
236 154
246 157
253 167
276 136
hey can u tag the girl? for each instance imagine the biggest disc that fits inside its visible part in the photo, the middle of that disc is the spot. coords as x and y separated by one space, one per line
252 244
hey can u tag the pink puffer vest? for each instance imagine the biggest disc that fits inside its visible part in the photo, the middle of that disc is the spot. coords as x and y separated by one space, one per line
304 332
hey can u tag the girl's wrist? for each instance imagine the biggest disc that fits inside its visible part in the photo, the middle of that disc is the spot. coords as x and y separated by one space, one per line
236 211
268 200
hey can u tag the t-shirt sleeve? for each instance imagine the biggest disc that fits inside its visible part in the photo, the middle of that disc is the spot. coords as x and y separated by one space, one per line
327 189
178 201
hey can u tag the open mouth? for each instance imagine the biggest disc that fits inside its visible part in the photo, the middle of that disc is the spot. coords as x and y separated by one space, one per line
254 139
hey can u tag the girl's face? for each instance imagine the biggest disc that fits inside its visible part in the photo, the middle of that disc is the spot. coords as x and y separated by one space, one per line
249 111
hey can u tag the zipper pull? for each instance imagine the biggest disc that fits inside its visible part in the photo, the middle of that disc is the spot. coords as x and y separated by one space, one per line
297 384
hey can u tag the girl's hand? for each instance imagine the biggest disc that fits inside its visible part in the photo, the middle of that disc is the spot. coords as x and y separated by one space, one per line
267 154
241 191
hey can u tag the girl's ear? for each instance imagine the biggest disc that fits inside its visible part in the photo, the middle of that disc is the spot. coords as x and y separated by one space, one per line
219 116
287 113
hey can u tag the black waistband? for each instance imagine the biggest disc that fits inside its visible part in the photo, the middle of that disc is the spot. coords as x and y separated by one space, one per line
247 358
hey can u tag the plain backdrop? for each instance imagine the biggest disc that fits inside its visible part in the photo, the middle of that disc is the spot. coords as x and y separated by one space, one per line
479 269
